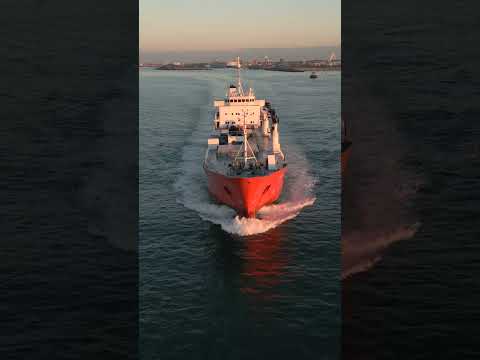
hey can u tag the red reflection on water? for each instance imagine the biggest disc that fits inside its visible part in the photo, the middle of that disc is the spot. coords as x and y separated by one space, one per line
265 264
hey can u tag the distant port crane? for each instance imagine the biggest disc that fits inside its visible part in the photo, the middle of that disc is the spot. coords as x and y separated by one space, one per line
332 59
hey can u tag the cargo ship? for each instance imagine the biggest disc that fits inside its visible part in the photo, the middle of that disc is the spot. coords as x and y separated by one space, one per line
346 148
244 163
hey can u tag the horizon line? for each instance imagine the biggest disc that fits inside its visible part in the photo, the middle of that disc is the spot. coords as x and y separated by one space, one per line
244 48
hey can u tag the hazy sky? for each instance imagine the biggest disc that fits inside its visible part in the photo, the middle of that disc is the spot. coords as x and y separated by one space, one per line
180 25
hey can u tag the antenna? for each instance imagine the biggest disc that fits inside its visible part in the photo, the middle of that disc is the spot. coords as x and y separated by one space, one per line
239 80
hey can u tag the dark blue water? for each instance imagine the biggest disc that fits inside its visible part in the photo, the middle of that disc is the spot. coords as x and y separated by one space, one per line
410 233
69 210
213 285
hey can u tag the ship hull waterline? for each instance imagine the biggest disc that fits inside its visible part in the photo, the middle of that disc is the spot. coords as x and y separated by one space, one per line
246 195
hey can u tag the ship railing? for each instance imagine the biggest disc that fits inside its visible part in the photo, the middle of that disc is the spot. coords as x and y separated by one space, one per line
238 167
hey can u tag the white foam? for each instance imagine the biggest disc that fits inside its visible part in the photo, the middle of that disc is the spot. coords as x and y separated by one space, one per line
191 187
362 250
268 218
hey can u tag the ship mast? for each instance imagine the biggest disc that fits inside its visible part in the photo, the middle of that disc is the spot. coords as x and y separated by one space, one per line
245 150
245 146
239 80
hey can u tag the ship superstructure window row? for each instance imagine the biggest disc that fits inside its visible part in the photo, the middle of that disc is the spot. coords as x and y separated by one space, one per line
239 100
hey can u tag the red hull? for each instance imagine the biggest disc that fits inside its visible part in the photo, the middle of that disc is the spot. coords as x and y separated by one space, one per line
246 194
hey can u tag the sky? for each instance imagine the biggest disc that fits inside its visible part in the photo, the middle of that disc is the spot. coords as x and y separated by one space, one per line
212 25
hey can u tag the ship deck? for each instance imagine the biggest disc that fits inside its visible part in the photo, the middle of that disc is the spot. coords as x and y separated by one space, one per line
221 160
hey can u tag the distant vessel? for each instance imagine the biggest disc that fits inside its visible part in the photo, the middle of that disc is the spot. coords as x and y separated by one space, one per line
313 75
346 147
244 163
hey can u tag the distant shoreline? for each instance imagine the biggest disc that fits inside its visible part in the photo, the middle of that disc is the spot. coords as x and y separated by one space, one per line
302 69
181 68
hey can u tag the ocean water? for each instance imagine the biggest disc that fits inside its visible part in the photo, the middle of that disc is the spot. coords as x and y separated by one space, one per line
410 230
215 286
69 210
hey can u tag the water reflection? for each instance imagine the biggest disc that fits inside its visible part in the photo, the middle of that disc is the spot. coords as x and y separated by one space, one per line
264 265
252 267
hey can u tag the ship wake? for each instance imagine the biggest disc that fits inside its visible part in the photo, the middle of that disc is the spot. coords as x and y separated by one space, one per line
191 187
380 186
362 250
268 218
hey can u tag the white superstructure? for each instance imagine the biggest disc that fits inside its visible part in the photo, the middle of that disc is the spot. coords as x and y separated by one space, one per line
239 108
246 130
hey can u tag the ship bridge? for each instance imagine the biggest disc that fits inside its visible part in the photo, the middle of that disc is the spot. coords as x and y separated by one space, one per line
238 108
